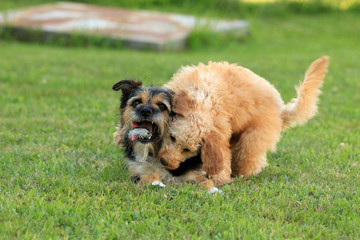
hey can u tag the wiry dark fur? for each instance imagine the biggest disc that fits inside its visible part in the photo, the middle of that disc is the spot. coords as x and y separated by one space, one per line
132 89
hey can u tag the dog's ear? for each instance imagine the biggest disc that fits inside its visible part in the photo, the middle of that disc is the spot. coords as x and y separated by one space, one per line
182 103
126 85
211 155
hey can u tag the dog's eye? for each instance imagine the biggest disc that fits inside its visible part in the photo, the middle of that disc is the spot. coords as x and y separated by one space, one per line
162 106
172 139
186 150
136 102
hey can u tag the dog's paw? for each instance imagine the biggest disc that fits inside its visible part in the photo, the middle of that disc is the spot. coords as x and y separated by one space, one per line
158 183
214 190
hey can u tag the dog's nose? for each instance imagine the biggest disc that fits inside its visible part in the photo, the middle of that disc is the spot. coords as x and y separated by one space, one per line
145 111
163 162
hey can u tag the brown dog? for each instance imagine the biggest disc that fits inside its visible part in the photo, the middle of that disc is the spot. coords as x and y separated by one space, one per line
233 117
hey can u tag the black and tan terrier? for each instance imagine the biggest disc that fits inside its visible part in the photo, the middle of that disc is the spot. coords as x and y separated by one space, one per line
144 117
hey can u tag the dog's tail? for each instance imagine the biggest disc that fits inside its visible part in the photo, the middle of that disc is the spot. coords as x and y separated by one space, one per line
304 107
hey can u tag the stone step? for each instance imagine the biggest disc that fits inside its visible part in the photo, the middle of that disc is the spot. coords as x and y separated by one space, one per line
133 28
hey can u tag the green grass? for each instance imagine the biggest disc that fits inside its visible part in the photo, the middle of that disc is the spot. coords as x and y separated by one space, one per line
62 177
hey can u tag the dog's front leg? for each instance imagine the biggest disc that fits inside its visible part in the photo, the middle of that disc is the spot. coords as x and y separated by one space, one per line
209 186
151 179
216 157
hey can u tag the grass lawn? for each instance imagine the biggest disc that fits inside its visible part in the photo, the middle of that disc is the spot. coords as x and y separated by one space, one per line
62 177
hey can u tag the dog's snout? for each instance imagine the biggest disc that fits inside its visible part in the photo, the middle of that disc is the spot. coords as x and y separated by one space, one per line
146 111
163 162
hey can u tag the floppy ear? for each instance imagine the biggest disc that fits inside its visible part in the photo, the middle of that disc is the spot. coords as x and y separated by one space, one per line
126 86
182 103
211 155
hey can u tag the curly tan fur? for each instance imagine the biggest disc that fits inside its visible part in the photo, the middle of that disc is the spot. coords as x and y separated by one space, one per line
233 116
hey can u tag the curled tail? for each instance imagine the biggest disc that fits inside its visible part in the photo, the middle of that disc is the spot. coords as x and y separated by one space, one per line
304 107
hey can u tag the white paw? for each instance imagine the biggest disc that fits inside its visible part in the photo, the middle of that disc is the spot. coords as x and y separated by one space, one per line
158 183
214 190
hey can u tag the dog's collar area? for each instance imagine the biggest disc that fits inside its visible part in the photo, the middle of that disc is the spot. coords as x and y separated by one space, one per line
188 165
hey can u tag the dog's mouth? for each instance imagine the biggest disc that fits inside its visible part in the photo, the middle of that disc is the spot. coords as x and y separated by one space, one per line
143 131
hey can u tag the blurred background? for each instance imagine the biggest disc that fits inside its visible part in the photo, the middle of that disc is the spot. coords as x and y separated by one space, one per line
250 10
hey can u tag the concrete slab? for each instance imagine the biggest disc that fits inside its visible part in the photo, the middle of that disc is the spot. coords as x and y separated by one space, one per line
136 29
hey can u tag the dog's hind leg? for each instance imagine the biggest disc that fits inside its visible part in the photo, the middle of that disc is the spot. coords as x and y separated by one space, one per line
249 150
